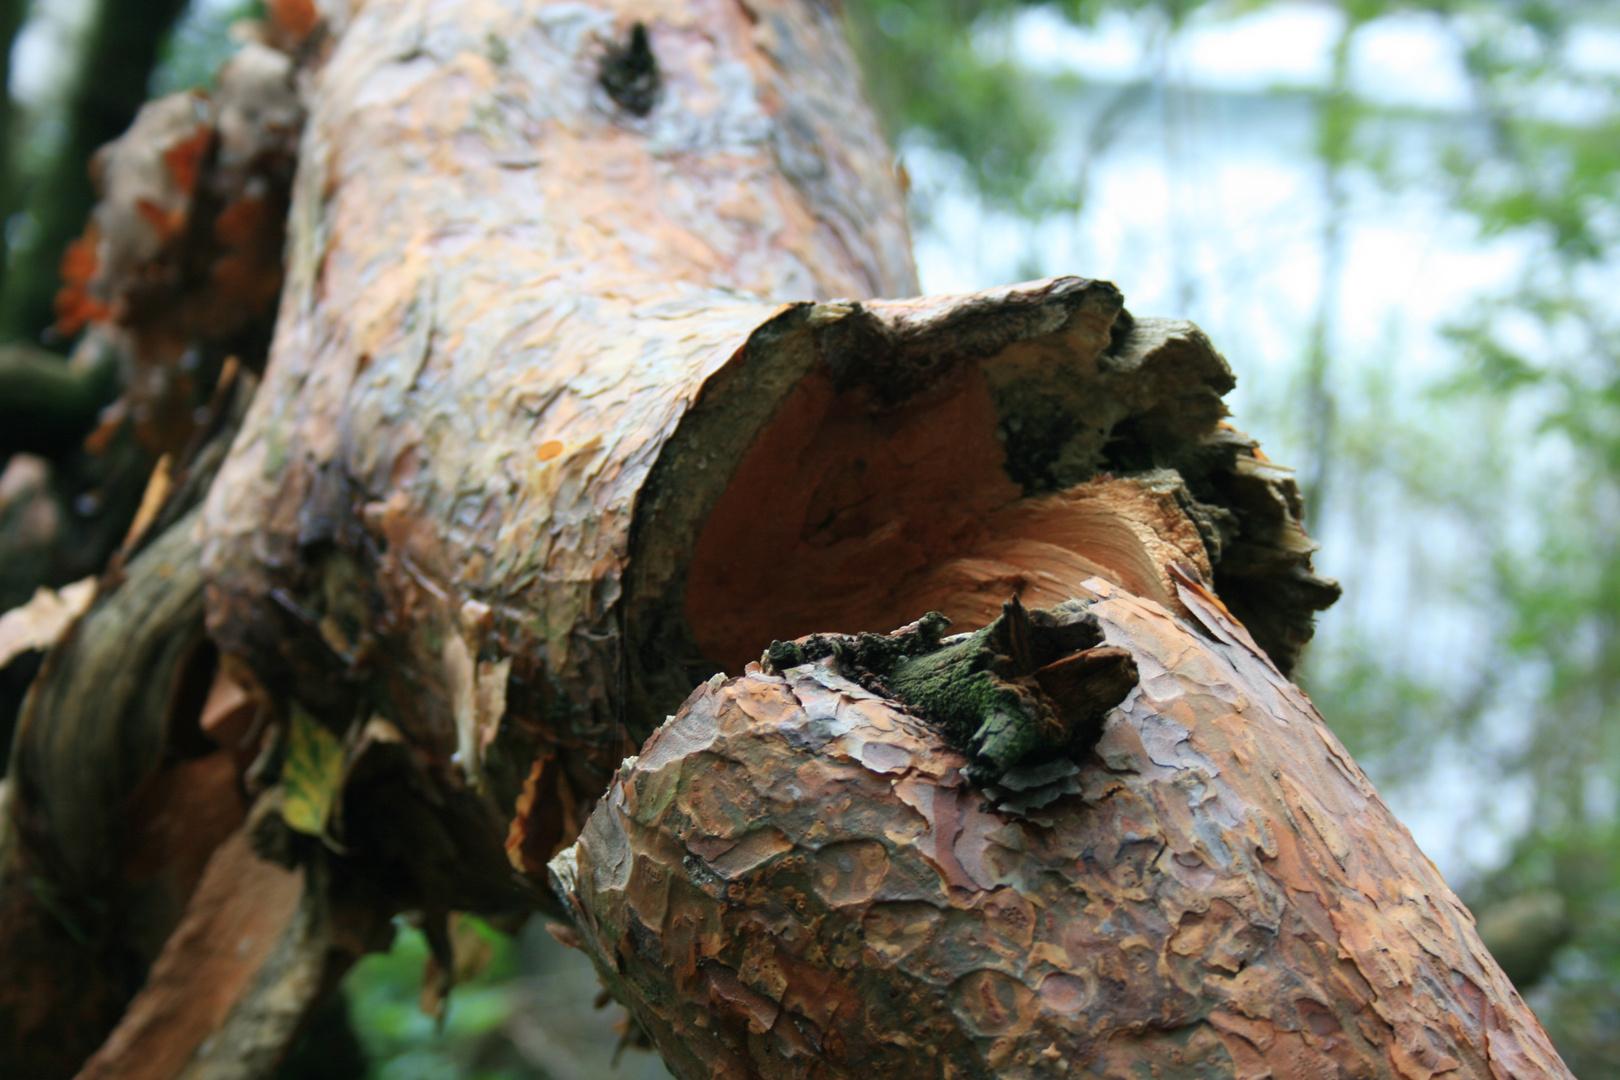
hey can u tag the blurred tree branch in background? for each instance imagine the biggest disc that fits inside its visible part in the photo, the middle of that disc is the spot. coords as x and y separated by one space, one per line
109 82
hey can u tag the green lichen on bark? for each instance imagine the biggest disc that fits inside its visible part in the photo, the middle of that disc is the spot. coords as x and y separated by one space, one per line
1031 687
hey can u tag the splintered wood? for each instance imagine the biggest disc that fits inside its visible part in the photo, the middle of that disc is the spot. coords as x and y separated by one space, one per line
895 513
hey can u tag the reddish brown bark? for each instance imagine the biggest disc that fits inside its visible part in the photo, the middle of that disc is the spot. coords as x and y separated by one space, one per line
236 917
794 880
516 353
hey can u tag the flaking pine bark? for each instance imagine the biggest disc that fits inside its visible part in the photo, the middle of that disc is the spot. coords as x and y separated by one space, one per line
577 400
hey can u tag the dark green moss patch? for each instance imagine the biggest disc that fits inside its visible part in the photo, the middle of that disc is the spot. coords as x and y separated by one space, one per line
1032 687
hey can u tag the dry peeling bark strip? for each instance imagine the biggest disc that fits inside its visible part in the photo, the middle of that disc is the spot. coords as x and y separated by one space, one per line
793 879
241 908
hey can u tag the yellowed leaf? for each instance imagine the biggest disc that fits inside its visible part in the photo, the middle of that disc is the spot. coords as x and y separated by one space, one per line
311 775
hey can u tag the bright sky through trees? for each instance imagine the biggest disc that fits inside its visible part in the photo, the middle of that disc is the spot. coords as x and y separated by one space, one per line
1202 197
1404 59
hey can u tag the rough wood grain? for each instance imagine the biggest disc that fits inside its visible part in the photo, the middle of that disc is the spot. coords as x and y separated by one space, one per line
93 730
495 430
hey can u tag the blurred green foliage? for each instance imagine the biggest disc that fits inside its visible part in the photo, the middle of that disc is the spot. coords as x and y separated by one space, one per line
532 1012
401 1040
199 43
932 79
1551 346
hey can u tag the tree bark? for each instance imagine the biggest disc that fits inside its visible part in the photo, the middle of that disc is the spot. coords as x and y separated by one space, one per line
568 409
125 778
795 879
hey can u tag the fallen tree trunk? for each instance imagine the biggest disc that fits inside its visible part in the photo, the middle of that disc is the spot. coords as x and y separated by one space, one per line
564 416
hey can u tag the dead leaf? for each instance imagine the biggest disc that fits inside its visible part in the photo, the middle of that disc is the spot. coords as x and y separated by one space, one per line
228 714
478 698
167 223
184 158
152 500
492 680
517 836
74 303
295 19
40 622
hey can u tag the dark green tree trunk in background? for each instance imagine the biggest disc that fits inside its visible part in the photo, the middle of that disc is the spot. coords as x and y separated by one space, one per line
114 67
12 14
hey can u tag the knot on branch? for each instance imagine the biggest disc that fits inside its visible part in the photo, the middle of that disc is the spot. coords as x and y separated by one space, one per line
629 73
1031 688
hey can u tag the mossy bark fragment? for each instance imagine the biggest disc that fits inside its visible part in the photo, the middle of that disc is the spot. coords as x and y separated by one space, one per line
1029 688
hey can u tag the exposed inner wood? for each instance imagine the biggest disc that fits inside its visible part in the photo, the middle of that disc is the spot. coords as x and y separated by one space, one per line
843 518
